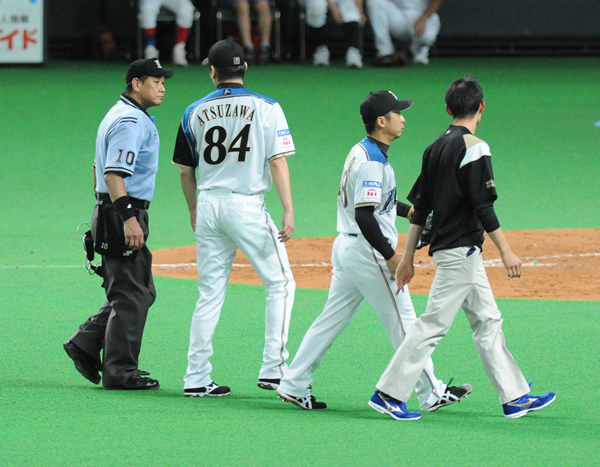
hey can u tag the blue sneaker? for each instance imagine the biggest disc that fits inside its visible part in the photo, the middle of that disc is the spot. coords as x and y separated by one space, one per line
392 407
527 403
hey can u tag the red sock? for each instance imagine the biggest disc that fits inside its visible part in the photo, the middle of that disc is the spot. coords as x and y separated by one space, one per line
182 34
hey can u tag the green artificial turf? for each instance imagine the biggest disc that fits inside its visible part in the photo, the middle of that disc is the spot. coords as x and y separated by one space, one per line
539 122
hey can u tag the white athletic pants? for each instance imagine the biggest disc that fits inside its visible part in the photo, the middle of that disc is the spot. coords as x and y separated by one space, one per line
225 222
460 281
316 12
183 9
359 273
389 20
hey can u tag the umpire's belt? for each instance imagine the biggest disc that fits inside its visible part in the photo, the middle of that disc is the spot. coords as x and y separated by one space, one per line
104 198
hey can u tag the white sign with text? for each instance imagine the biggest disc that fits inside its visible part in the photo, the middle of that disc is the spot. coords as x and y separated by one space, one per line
21 31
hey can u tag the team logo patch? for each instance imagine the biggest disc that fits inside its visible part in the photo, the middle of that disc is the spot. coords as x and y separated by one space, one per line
283 132
287 142
490 184
237 61
370 184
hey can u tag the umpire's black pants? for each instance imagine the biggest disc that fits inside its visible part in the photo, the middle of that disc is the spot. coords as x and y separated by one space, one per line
119 324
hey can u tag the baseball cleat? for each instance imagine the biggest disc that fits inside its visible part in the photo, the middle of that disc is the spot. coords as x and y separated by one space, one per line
392 407
451 395
527 403
212 390
84 362
270 384
306 403
179 55
150 52
321 56
354 58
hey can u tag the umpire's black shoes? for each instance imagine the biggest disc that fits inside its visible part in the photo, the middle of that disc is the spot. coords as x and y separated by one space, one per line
212 390
84 362
270 384
136 383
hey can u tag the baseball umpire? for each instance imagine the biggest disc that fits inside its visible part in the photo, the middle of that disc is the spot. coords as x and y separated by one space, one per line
239 142
457 183
125 167
364 260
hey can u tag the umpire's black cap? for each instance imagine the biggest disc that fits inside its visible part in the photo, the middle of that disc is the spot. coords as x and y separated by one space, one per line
379 103
225 53
147 67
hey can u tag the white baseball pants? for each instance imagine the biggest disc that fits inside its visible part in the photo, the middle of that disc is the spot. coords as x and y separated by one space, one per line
316 12
359 273
183 9
390 20
226 221
460 281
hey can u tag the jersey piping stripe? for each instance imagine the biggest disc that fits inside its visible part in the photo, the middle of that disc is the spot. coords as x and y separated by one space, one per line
121 120
387 284
285 287
283 154
117 169
383 275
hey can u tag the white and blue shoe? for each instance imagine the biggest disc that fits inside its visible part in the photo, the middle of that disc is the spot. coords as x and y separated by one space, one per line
392 407
527 403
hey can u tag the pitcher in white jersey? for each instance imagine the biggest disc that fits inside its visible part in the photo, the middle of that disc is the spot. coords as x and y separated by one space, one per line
364 259
237 141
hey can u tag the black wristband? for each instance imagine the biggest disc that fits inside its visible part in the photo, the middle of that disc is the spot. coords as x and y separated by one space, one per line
124 207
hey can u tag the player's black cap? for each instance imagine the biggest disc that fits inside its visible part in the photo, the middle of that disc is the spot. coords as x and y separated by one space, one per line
225 53
379 103
147 67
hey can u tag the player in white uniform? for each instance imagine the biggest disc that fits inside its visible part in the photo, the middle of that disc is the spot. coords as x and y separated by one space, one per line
238 141
348 13
184 14
416 21
364 260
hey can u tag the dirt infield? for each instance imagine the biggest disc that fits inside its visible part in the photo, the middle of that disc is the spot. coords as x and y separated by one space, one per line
558 264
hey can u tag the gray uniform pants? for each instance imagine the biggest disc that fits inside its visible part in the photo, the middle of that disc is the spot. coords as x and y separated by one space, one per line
460 281
119 324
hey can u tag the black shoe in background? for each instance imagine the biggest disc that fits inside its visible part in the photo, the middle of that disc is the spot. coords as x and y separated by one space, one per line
249 53
264 54
391 60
